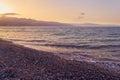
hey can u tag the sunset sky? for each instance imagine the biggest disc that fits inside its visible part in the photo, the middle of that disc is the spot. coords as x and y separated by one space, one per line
68 11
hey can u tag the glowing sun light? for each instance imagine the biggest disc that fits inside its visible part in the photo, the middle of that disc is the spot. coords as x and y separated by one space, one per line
4 8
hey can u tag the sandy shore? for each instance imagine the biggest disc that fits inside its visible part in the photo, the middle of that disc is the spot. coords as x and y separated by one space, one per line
21 63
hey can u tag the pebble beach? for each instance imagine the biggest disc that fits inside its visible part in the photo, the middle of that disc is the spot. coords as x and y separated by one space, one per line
21 63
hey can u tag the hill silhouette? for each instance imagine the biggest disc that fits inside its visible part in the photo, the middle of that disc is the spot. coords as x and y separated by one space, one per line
13 21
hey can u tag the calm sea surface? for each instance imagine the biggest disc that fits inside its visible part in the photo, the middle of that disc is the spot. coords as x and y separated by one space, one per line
75 43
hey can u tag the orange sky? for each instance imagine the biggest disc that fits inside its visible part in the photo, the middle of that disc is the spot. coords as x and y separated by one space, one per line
68 11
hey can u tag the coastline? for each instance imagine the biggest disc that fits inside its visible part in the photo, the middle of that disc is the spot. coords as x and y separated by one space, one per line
18 62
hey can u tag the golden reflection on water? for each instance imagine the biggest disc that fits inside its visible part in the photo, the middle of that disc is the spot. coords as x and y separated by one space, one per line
24 34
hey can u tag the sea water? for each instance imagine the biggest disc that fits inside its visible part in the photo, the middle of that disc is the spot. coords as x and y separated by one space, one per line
92 44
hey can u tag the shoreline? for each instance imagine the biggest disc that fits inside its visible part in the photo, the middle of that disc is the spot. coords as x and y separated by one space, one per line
19 62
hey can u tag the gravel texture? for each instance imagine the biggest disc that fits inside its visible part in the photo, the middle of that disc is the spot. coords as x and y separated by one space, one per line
21 63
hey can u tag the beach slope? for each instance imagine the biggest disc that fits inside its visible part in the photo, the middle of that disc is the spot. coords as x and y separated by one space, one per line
21 63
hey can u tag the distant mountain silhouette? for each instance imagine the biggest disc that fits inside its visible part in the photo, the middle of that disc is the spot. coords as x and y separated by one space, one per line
13 21
96 25
90 24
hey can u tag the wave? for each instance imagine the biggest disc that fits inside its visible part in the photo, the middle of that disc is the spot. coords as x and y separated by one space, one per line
16 40
28 40
110 40
36 41
84 46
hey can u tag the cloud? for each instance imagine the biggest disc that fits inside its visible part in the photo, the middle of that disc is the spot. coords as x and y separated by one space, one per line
81 16
7 14
82 13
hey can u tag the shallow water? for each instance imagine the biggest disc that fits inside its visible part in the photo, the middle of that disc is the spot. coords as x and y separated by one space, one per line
75 43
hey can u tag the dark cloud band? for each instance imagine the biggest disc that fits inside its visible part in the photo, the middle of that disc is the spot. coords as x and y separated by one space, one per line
9 14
